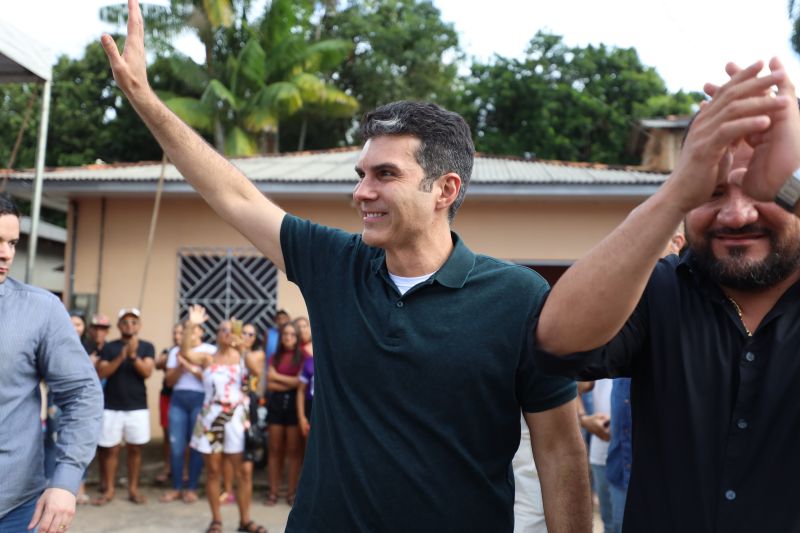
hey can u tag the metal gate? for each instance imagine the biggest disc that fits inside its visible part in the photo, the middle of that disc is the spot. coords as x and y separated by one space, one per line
228 282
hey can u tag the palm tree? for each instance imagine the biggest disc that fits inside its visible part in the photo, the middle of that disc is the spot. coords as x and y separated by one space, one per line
243 97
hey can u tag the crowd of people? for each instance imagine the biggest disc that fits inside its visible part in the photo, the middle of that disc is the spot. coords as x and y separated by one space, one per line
208 407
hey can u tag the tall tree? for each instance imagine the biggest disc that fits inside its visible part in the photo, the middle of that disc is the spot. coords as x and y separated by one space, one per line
255 76
402 49
568 103
89 119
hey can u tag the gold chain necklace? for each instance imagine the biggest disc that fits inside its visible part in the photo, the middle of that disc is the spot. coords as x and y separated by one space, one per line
741 318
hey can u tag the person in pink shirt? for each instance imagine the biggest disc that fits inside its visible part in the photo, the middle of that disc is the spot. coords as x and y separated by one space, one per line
284 434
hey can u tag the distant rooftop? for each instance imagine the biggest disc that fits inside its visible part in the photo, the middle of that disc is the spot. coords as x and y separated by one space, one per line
331 172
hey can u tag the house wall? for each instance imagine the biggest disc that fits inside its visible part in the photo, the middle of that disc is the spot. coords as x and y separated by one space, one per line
532 231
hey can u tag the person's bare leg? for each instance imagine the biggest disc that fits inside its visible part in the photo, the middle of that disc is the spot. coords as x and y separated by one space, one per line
294 460
277 448
244 485
102 459
213 463
164 476
227 476
108 465
134 460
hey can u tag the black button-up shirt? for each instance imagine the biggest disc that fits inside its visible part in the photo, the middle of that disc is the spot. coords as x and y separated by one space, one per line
716 413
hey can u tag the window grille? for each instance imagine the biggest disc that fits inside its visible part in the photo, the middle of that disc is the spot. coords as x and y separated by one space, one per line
228 282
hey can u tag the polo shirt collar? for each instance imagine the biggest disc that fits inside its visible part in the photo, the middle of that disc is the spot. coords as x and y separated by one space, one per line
453 273
456 269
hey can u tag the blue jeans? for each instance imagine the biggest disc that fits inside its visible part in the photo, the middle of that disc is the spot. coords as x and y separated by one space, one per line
184 406
18 519
601 487
618 497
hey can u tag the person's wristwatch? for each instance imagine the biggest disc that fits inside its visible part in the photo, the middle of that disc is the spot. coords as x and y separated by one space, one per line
789 194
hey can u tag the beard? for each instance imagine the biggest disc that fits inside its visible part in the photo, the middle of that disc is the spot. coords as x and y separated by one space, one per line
736 271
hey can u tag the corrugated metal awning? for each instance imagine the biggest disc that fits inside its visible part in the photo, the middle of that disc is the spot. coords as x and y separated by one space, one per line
22 59
337 167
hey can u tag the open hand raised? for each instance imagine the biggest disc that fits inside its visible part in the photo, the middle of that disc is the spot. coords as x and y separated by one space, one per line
130 67
197 314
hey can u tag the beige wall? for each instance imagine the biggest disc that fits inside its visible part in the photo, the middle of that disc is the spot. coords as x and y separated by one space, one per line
525 231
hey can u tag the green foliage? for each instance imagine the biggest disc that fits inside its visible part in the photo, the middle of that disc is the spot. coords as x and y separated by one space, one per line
251 79
89 118
566 103
302 68
14 100
399 50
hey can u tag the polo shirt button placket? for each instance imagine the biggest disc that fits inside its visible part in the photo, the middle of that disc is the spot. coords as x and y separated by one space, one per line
399 303
749 357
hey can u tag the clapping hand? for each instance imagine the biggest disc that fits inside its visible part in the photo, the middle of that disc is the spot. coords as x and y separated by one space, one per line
776 149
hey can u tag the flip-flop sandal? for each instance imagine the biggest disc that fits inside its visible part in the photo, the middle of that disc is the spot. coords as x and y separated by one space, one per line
138 499
214 527
170 496
271 500
190 496
251 527
102 500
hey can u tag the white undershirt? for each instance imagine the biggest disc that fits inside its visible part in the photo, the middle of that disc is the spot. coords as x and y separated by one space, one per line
403 284
601 394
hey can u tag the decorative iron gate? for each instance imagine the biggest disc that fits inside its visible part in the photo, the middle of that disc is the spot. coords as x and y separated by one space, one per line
228 282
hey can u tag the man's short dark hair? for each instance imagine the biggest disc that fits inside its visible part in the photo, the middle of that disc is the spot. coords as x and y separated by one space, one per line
7 205
445 140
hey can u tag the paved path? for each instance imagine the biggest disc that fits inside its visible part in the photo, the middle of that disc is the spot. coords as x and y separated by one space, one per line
121 516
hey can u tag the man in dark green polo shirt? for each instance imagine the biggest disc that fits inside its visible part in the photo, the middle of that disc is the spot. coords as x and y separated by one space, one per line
420 345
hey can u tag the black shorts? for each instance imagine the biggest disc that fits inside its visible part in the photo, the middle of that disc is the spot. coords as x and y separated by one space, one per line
308 408
282 408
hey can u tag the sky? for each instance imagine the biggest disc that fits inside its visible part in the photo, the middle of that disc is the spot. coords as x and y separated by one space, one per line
687 41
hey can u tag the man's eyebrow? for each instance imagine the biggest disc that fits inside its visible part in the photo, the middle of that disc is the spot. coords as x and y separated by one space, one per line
378 167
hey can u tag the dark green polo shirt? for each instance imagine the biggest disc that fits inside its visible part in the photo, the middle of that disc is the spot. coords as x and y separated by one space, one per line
416 397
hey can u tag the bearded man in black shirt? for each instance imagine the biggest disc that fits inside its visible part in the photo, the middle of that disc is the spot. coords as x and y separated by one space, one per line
710 339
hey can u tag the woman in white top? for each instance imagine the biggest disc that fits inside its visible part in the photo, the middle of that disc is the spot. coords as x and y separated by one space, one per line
220 427
186 380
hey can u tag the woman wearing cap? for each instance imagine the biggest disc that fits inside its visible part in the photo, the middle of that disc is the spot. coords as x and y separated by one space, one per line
220 427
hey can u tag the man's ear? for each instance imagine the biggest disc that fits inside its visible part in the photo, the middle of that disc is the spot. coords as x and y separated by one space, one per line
677 242
449 187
